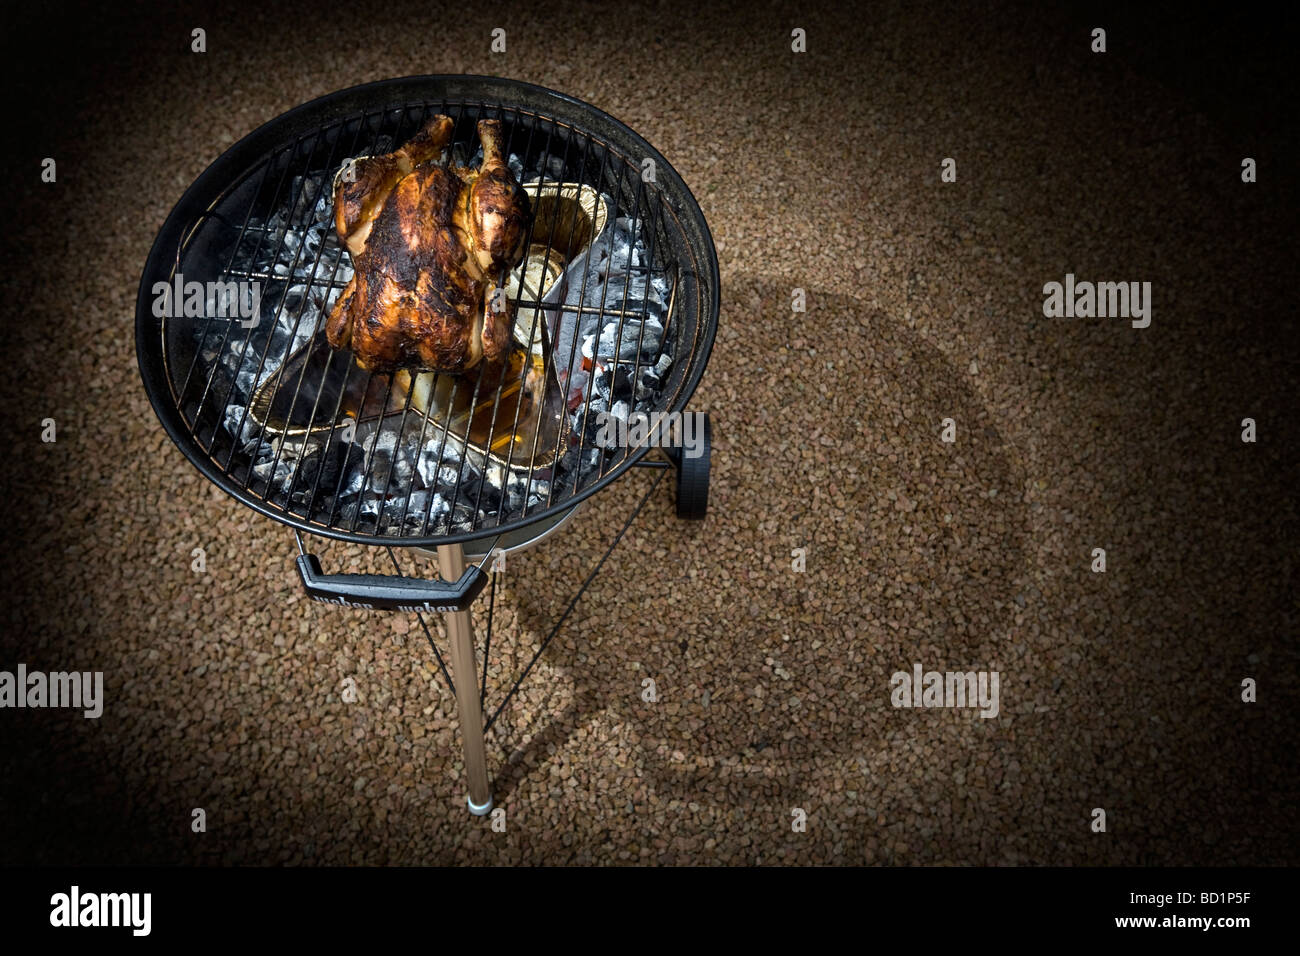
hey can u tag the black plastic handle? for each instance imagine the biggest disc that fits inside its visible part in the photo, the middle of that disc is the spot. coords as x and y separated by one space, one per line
388 592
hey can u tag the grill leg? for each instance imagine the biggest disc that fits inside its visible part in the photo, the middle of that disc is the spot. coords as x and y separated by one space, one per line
460 633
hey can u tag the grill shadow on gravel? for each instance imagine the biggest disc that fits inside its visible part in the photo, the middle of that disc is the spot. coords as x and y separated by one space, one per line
758 689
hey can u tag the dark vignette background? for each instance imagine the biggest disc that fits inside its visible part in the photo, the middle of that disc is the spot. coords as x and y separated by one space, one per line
818 171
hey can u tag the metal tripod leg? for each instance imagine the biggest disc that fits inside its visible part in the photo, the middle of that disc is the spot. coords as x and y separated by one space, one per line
460 635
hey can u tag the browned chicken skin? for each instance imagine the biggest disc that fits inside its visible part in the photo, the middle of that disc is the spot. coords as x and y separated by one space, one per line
430 245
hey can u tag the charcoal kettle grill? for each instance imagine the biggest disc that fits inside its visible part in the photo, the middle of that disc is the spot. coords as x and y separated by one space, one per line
616 304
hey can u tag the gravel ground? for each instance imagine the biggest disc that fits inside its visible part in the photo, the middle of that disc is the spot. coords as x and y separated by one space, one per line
818 171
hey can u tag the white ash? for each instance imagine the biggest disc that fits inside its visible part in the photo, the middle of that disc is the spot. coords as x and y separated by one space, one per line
636 338
612 275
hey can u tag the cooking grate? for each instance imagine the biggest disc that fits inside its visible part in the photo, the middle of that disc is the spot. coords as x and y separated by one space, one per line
260 218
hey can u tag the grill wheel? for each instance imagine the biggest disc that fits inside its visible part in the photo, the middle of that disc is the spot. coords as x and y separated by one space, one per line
693 477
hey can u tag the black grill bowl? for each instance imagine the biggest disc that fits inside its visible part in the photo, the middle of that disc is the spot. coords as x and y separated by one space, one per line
256 176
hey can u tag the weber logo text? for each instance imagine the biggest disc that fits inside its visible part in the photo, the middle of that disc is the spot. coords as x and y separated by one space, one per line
341 601
102 909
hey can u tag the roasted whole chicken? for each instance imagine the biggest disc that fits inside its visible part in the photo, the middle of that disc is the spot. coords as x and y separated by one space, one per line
431 246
